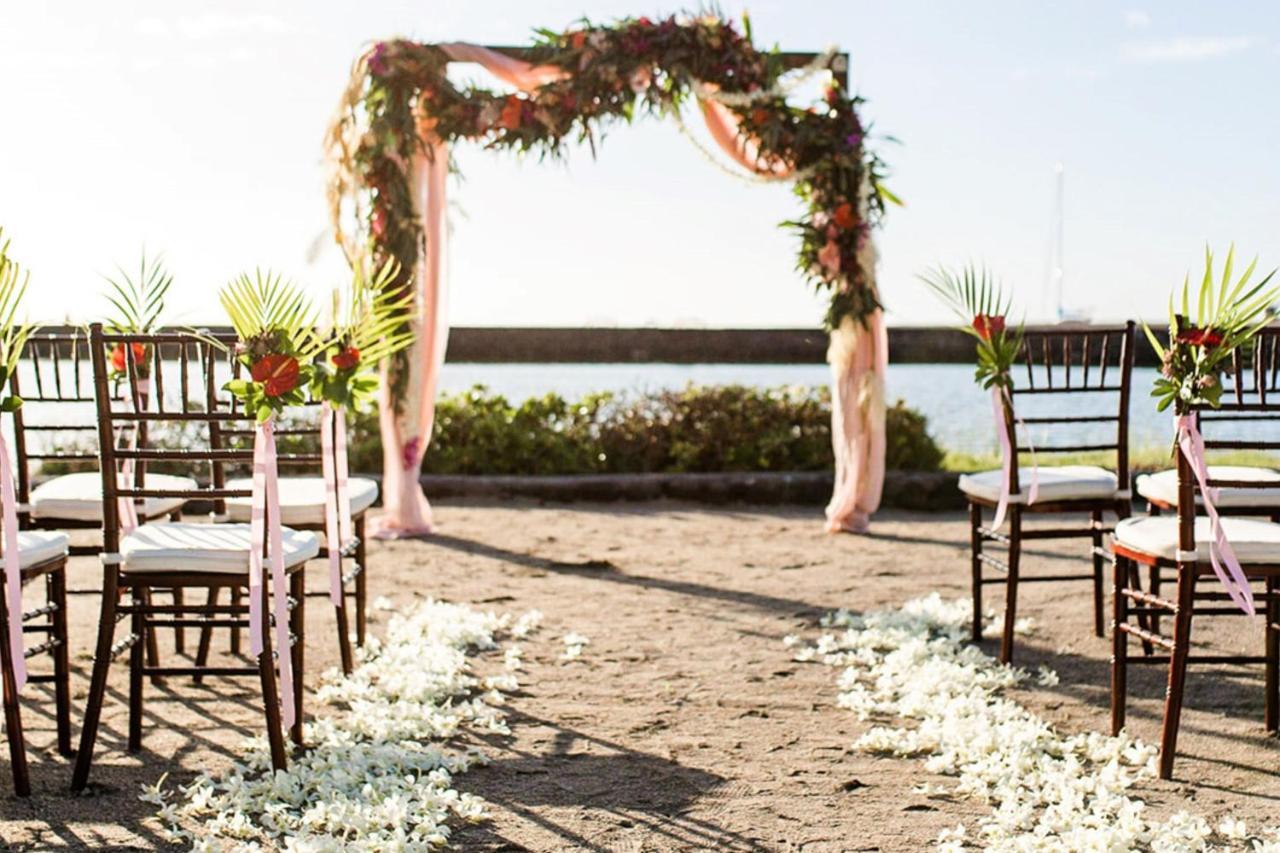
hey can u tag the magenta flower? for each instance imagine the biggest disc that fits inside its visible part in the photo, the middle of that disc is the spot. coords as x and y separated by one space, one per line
409 453
377 63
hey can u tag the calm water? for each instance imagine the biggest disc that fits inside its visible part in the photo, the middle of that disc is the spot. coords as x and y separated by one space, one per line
959 412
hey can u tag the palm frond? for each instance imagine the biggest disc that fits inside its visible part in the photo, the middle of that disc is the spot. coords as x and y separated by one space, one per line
372 315
265 303
138 299
971 292
13 287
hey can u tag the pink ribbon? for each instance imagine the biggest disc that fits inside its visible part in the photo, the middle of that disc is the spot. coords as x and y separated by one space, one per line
1191 443
12 566
266 514
998 397
337 505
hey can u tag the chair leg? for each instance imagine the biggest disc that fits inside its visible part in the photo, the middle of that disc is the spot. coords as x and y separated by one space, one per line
12 711
297 627
1119 643
1154 580
206 637
1177 669
344 632
98 681
179 634
1011 584
1099 629
975 557
142 634
235 632
57 596
362 579
152 645
270 693
1148 622
1273 656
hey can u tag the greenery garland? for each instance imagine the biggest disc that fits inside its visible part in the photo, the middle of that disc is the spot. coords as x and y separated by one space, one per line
612 73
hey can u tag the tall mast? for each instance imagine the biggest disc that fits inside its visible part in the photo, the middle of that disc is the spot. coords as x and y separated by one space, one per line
1057 269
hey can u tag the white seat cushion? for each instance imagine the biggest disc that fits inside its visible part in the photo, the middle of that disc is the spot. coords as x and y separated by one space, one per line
37 546
222 548
302 498
1059 483
1162 487
1253 540
78 497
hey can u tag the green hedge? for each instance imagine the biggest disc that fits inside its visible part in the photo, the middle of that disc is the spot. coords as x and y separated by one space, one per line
698 429
718 428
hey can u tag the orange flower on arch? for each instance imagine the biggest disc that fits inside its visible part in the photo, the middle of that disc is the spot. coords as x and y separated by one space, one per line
512 113
843 216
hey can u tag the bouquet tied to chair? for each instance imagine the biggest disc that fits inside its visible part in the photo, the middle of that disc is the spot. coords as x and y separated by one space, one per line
977 298
1228 314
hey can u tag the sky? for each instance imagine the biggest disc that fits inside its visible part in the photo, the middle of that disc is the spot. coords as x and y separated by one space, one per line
194 129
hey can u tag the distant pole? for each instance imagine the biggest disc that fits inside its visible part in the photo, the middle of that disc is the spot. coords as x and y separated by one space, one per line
1057 256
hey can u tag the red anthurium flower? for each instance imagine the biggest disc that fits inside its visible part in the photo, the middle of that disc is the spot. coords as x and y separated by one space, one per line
843 216
988 326
119 362
277 373
347 358
512 112
1207 338
578 40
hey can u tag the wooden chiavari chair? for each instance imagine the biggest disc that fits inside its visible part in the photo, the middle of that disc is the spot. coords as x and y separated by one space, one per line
302 507
1089 370
1180 544
179 555
59 387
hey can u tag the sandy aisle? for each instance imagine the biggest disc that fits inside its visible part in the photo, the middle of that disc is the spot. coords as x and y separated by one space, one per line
685 724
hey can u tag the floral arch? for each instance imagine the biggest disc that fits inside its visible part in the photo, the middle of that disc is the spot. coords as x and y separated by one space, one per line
389 153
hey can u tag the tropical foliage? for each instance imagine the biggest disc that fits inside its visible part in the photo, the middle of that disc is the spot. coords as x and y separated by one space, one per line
275 323
696 429
138 303
367 330
611 73
13 335
978 299
1227 315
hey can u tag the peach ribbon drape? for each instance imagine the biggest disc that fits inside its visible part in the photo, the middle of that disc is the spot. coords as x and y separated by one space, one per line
859 425
859 359
406 434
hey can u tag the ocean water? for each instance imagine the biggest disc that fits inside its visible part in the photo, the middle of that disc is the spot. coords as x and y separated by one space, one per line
959 412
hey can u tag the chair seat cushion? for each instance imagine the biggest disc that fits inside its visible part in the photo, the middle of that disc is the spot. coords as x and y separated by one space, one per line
1058 483
37 546
1253 540
222 548
78 497
302 498
1162 487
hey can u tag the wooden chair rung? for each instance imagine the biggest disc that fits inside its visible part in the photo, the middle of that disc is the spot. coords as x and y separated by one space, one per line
1146 636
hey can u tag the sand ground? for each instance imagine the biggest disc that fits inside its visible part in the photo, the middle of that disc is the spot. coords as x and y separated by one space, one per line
685 725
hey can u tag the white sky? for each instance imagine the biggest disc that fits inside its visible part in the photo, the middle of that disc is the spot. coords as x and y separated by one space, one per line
195 128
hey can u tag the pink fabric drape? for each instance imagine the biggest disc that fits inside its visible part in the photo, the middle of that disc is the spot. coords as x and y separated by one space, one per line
859 358
12 563
858 378
405 435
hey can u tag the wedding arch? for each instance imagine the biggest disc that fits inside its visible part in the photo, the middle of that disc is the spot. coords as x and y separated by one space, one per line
388 148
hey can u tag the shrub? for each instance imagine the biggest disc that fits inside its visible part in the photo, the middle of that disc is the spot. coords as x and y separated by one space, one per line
697 429
718 428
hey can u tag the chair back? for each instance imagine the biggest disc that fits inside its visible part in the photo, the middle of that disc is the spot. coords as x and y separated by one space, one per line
54 378
1250 403
1083 377
169 381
